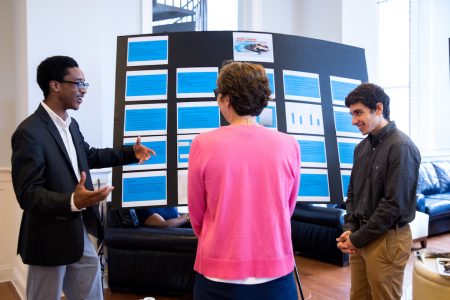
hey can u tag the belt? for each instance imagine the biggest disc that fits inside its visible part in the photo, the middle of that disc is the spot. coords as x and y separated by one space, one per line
395 226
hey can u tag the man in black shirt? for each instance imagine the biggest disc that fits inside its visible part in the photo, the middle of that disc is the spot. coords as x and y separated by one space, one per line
381 198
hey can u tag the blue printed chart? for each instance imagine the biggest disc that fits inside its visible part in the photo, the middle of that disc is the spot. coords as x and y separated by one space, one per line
343 123
345 180
146 85
145 119
147 50
196 82
144 188
197 117
271 75
313 151
346 147
304 118
184 143
301 86
268 117
158 144
341 87
314 186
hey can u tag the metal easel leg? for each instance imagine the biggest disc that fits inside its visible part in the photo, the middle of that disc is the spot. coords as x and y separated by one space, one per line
297 276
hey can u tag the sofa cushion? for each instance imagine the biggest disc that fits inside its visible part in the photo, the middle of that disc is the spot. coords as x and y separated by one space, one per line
442 169
428 182
434 205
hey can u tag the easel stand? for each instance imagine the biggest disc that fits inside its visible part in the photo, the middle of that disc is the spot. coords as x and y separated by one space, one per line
297 276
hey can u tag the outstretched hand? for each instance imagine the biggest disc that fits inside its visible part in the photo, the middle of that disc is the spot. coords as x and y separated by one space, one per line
142 152
83 198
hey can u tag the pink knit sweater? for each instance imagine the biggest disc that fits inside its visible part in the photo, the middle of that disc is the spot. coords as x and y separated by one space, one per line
242 188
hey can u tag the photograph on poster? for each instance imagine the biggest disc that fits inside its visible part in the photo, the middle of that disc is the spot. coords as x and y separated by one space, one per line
197 117
158 144
145 119
346 147
341 87
271 75
144 189
343 123
146 85
251 46
301 86
345 180
268 117
182 187
184 143
314 186
147 50
313 151
304 118
196 82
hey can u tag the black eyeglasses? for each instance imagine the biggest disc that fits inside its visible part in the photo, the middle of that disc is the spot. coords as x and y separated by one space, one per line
216 92
81 85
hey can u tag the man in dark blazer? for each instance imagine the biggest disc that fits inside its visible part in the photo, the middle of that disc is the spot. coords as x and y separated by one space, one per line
50 171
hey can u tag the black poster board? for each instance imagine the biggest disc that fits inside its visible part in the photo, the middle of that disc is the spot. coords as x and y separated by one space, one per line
320 59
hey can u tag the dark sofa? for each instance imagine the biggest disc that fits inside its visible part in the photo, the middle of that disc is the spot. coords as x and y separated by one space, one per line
148 260
314 232
433 195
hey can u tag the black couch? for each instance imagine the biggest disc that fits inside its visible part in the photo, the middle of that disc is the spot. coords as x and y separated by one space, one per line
314 232
433 195
146 259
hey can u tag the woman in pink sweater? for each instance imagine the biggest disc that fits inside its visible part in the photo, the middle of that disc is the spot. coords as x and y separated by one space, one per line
242 188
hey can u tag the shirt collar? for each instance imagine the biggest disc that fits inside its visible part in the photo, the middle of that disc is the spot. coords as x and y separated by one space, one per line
376 138
57 119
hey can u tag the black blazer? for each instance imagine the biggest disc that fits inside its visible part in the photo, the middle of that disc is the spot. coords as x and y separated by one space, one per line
44 180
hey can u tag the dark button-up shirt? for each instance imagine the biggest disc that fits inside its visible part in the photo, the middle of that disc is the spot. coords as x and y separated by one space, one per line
382 189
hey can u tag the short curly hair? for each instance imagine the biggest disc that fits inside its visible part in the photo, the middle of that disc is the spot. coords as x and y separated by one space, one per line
53 68
369 95
247 86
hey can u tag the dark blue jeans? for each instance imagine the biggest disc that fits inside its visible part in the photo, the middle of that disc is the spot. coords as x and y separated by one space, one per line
283 288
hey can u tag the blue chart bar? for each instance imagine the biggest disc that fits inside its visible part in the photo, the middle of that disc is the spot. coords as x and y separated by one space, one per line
145 119
149 188
271 76
148 119
301 86
146 85
341 87
158 161
184 147
314 186
346 152
345 179
343 123
194 82
147 51
312 151
197 118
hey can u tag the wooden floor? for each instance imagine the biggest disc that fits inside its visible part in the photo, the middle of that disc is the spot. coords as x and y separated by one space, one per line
321 281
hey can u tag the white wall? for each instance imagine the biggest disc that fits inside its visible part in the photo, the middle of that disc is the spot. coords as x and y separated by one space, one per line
31 31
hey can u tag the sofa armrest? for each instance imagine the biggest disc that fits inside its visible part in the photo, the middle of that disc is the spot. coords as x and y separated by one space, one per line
326 216
148 238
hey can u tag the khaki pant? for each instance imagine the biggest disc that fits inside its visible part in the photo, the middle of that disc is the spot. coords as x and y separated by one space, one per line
377 269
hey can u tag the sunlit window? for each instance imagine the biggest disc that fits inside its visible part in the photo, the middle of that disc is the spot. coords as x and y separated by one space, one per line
394 58
222 15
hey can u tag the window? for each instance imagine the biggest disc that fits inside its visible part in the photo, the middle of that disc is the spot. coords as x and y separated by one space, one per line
394 58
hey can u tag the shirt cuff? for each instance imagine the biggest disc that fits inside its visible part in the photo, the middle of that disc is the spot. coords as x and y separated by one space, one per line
72 204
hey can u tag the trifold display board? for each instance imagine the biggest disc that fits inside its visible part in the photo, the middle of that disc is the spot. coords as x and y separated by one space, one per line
164 94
